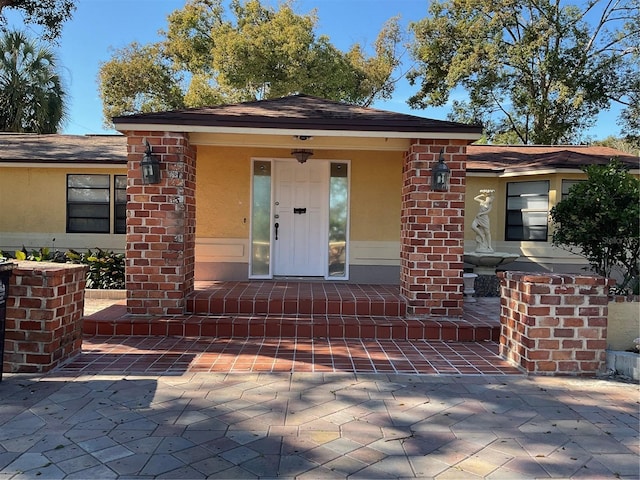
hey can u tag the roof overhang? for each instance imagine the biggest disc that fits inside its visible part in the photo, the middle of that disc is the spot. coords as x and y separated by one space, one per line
315 132
510 173
62 164
298 114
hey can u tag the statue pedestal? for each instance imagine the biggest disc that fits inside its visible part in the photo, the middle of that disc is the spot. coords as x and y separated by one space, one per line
484 266
485 263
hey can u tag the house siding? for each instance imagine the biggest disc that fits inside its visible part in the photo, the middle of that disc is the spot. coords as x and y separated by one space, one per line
33 209
535 255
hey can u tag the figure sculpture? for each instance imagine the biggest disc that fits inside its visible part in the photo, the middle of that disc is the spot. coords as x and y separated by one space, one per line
480 224
483 258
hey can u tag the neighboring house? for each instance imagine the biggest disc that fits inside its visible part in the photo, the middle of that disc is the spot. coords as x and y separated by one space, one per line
528 181
62 191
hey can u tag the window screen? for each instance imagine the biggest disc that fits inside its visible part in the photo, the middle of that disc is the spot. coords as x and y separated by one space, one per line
88 203
566 186
527 211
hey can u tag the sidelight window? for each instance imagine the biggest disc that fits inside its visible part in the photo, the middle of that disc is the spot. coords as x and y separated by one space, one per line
261 219
338 219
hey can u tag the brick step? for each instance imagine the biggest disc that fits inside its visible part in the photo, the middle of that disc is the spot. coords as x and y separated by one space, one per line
291 298
115 321
268 305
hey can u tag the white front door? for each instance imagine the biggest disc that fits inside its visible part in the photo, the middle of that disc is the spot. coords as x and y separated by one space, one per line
300 211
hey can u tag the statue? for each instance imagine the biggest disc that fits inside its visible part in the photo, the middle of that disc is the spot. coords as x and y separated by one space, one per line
480 224
483 258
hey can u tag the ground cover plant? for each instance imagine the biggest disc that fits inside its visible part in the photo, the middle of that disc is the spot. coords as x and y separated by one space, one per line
106 268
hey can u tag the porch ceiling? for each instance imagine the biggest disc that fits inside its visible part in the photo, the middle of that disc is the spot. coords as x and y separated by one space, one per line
316 142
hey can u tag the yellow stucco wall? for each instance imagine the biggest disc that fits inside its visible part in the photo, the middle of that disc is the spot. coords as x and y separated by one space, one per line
376 196
33 209
33 204
223 191
32 200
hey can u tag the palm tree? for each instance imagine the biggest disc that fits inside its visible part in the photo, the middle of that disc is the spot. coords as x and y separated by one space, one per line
32 99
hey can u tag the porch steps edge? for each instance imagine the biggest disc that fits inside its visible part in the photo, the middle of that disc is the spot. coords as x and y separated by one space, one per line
269 326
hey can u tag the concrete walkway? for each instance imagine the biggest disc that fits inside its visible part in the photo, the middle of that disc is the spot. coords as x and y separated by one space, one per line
316 425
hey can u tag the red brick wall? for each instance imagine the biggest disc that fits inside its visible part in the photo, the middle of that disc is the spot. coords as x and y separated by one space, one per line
160 258
554 324
43 316
432 236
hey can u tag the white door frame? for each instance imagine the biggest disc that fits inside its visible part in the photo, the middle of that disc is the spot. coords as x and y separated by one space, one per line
324 249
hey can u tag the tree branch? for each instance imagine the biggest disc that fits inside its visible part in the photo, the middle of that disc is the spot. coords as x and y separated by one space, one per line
509 118
600 25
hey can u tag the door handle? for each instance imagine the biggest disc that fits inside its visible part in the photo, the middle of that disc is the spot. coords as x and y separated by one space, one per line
276 226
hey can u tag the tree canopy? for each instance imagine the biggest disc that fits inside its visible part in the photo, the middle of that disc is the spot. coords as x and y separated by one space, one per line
50 14
32 98
538 71
599 217
211 55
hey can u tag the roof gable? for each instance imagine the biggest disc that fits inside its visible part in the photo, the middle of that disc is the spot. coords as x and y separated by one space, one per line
298 112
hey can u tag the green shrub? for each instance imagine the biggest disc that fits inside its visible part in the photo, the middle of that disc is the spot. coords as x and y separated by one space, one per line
40 255
599 220
106 268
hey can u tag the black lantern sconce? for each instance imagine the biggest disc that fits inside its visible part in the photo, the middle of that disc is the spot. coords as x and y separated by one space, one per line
150 167
440 175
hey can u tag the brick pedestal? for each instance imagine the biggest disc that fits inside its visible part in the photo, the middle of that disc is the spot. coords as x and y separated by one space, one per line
44 315
432 235
160 257
554 324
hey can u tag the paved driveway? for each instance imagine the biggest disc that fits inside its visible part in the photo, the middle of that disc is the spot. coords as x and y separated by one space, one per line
316 425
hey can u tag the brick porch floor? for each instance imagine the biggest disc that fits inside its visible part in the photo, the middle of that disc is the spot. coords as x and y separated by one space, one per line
176 356
300 310
219 338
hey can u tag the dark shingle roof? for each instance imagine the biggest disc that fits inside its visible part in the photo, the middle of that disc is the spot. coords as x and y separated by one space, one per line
30 147
297 112
514 158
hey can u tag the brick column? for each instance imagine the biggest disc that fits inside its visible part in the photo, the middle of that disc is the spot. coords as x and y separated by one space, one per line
44 315
554 324
160 257
432 236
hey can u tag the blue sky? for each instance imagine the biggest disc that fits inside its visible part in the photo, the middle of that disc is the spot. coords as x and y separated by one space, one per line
100 26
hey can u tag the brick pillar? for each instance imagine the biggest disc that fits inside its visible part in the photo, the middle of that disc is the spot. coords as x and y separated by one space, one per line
160 257
44 315
432 236
554 324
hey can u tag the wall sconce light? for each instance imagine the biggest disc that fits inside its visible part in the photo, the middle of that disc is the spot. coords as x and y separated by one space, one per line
301 155
150 167
440 175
